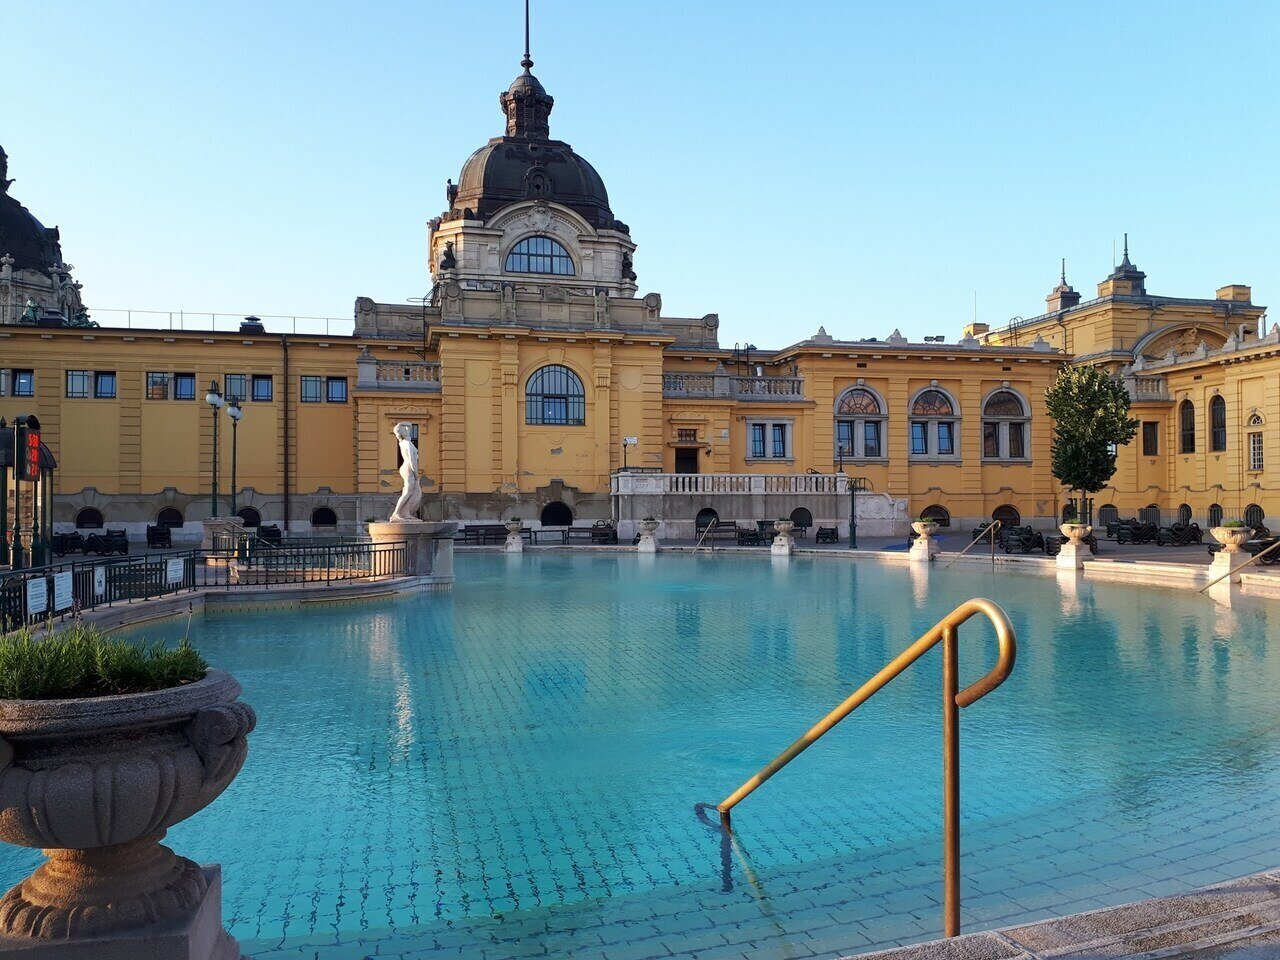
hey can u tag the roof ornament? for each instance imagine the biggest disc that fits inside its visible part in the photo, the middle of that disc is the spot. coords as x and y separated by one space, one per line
1064 271
527 62
4 172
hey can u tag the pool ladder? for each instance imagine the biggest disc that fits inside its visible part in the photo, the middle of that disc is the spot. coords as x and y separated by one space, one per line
946 631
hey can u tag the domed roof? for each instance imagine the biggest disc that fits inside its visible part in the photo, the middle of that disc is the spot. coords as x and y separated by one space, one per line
32 245
527 164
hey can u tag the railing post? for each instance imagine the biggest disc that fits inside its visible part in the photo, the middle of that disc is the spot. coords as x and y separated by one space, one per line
950 783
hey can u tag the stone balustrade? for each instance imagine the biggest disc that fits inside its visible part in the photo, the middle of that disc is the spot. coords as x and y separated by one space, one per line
719 385
410 375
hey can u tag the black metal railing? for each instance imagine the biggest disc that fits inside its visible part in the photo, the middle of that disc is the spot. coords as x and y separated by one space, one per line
60 590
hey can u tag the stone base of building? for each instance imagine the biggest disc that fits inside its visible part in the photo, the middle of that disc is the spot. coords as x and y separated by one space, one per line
198 936
428 546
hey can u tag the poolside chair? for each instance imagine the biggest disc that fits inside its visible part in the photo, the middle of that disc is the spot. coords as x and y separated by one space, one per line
982 531
603 531
1021 540
270 532
1053 544
827 535
158 537
1140 532
1113 526
64 543
1179 535
747 537
107 542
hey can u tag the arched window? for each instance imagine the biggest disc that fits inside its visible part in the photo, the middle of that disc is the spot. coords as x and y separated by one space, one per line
933 425
1254 437
1215 515
1253 515
1008 515
1187 427
802 517
1184 513
938 514
859 425
249 516
554 395
323 517
1217 424
170 517
539 255
89 519
705 518
1150 513
1004 427
556 514
1108 514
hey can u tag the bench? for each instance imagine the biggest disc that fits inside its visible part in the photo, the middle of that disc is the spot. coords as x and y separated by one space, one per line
827 535
158 537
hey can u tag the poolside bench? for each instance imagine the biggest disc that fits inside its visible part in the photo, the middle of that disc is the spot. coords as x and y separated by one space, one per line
827 535
64 543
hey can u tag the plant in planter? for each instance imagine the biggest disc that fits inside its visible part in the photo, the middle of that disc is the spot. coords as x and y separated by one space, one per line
1233 534
104 745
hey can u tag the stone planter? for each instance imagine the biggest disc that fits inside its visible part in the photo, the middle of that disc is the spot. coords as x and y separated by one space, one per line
648 543
1074 551
1231 538
514 544
95 783
924 547
784 544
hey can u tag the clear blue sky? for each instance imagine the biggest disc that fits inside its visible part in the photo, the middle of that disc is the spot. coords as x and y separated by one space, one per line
853 164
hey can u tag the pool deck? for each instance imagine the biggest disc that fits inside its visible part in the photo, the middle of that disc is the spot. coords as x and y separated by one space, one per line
1237 920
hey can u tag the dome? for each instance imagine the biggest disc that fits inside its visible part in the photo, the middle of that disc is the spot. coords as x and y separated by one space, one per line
527 164
31 244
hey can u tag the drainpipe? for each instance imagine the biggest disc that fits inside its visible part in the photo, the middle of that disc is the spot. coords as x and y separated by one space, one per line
288 414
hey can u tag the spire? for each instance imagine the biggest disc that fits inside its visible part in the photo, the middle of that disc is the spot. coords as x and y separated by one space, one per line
1063 296
1127 271
1063 281
526 104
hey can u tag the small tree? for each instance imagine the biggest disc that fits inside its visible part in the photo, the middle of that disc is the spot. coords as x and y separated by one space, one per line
1090 414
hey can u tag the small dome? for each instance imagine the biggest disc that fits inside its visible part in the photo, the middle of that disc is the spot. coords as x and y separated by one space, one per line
508 170
32 245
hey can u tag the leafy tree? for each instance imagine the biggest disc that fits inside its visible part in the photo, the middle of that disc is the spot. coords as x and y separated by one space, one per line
1090 414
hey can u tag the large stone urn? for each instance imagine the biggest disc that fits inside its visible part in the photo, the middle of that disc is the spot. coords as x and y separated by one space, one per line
924 547
784 544
1232 540
648 543
515 544
1074 549
95 783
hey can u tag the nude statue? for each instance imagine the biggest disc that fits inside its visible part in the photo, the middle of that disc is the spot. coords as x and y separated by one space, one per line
411 496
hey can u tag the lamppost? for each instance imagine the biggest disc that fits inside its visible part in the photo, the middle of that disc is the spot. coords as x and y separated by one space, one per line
855 484
626 443
235 412
214 399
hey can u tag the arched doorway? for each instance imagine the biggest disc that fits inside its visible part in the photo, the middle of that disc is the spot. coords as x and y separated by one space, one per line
705 518
938 514
90 518
556 514
323 517
249 516
169 517
1008 515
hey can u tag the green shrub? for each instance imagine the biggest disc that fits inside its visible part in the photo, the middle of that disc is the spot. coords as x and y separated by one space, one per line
1234 524
85 662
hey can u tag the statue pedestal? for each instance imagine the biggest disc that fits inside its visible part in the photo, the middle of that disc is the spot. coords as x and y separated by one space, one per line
923 549
428 546
1072 555
1222 562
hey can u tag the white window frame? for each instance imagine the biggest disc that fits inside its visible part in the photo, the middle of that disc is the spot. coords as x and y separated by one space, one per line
1257 448
859 427
788 441
931 429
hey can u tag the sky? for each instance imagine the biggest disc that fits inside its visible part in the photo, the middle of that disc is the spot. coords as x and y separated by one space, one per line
857 165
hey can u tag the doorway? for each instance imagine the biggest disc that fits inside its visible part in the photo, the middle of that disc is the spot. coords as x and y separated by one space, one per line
687 459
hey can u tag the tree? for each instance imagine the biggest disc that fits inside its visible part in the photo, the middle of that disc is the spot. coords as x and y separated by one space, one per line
1090 414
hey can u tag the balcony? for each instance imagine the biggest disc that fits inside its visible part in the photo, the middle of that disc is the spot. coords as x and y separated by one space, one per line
1147 389
414 376
726 386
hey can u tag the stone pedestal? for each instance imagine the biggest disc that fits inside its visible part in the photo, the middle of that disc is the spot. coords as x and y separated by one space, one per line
217 525
195 936
1074 550
784 544
924 547
648 542
428 546
515 543
1222 562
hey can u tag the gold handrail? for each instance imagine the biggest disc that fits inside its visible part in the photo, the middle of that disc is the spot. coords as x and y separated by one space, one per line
989 532
946 631
698 546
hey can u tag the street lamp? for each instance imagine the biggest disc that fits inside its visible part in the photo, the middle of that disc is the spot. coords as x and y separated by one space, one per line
627 442
235 412
214 399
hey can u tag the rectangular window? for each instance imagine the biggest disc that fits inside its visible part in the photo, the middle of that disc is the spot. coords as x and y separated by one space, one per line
336 392
78 382
235 387
24 383
312 389
263 387
871 438
1255 451
1018 440
157 386
413 438
1150 438
184 386
919 439
779 441
844 438
990 439
687 435
757 441
946 438
104 384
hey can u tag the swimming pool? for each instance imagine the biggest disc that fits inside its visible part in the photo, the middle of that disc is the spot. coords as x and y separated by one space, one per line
511 770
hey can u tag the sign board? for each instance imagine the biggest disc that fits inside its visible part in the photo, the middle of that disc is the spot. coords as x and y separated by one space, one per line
631 441
37 596
62 599
28 451
173 570
99 581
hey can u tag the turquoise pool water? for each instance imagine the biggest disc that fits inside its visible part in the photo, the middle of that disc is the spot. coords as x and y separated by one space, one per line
512 770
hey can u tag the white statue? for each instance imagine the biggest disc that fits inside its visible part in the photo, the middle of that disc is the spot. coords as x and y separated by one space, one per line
411 496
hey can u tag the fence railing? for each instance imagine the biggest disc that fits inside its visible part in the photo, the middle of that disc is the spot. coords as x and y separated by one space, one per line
220 322
625 483
697 385
54 592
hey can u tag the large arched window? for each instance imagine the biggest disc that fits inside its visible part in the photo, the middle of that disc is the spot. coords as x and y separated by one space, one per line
556 514
170 517
249 516
539 255
933 425
938 514
1004 427
1254 439
859 425
324 517
1253 515
1187 427
1217 424
554 395
1007 514
90 518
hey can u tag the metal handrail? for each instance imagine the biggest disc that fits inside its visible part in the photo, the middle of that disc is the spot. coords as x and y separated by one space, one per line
946 631
698 546
990 531
1257 556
